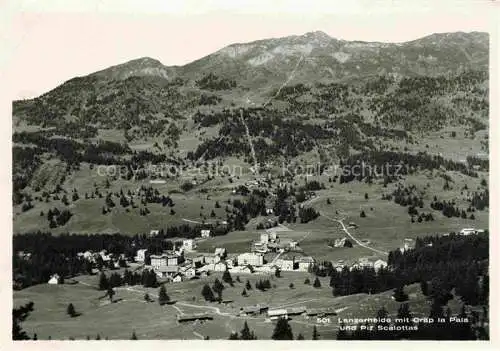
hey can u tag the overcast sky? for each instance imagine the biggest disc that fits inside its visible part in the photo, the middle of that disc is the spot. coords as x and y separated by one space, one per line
51 42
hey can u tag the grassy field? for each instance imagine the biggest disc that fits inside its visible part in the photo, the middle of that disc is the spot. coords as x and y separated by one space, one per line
151 321
385 227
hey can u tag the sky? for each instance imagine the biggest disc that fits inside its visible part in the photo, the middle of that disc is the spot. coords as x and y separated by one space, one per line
48 43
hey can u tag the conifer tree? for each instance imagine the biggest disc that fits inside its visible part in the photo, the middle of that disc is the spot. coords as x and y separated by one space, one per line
71 310
315 335
207 293
103 282
246 333
163 298
282 330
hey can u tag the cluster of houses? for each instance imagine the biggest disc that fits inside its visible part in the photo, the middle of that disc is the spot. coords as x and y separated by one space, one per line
274 314
342 242
360 264
270 242
263 309
102 255
179 265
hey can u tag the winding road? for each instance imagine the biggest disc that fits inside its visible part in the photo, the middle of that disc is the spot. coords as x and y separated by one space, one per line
344 228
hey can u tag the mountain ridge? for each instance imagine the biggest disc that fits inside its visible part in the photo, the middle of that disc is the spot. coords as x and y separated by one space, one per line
263 61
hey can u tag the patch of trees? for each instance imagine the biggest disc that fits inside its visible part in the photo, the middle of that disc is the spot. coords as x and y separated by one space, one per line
209 99
25 160
211 119
245 334
390 165
58 254
416 102
273 135
147 278
263 285
449 208
19 315
58 218
145 103
442 260
480 200
307 214
211 81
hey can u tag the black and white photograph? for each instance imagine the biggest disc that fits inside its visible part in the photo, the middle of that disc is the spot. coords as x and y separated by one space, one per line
300 170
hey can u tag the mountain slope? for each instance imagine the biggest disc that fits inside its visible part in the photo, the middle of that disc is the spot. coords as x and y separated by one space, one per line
328 59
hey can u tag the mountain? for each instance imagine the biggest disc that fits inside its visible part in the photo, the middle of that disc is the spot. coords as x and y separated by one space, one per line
140 91
316 56
144 66
327 101
319 57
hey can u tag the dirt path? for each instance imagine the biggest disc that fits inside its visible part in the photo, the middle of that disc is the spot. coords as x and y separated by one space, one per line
191 221
198 335
340 221
344 228
250 143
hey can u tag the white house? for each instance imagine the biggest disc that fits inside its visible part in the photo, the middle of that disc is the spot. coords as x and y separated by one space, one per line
158 261
240 270
221 252
105 257
267 269
258 246
253 259
177 278
164 260
355 266
211 258
230 262
276 314
205 233
188 244
379 264
54 279
340 242
189 272
365 263
286 264
154 232
264 238
220 267
305 263
468 231
214 267
198 260
272 235
88 255
166 271
141 255
339 267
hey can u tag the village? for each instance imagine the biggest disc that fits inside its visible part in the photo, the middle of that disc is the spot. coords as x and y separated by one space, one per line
268 255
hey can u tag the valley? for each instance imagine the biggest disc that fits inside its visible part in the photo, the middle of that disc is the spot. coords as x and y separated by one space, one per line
345 151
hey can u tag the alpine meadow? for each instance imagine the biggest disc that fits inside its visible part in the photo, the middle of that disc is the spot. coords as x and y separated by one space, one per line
302 187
